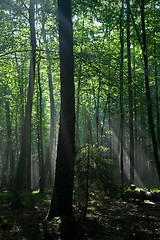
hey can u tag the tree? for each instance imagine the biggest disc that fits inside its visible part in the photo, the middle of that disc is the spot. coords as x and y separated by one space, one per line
131 150
25 154
10 153
148 95
40 133
61 204
121 96
52 138
101 80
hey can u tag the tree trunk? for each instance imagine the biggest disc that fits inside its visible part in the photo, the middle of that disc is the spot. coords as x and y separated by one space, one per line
121 97
25 152
50 161
97 110
41 155
96 104
49 172
148 95
78 144
109 100
87 182
135 115
77 110
61 204
103 123
131 150
157 97
10 154
156 84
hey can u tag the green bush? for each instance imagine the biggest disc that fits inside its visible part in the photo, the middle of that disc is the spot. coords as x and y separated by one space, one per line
93 163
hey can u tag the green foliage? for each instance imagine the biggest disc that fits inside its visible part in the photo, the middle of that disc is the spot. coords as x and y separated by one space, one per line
52 229
5 197
97 53
99 173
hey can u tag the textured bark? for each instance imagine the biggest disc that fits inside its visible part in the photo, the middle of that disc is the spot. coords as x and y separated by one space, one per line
61 204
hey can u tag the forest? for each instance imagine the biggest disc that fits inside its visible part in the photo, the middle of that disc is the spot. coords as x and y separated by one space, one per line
80 119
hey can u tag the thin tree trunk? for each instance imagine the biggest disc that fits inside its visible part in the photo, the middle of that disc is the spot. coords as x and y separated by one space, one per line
109 101
20 81
42 173
88 127
52 138
77 110
25 152
20 70
135 114
10 155
78 144
148 95
96 104
49 173
97 110
103 123
87 183
156 85
131 150
157 97
121 98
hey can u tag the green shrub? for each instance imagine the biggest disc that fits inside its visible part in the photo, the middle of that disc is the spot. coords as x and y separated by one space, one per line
93 163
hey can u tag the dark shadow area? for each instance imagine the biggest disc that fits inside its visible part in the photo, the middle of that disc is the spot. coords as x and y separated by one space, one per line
121 218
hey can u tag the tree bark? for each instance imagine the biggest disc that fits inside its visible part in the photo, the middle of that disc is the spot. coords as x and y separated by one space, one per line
87 183
109 107
10 153
78 144
49 173
25 152
103 123
41 155
121 97
61 203
131 150
157 97
135 115
148 95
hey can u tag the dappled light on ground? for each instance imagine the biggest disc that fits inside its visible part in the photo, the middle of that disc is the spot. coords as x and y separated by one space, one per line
125 218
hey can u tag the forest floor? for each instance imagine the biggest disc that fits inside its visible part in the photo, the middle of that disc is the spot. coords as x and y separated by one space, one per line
113 220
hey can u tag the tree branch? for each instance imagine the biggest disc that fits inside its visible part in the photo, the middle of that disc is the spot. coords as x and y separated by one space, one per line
134 24
139 3
5 54
28 50
24 4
